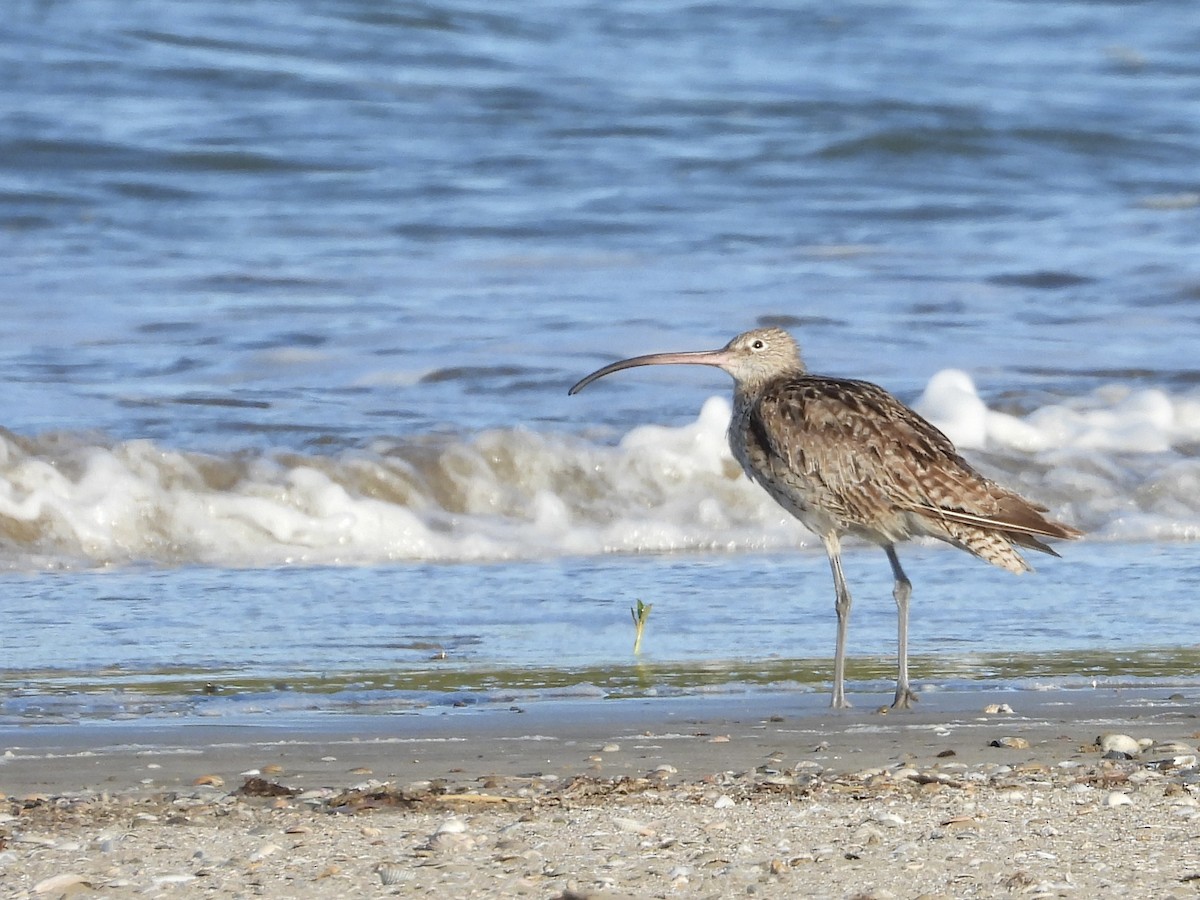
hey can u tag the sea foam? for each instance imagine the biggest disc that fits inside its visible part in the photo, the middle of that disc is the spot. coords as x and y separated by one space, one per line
1118 462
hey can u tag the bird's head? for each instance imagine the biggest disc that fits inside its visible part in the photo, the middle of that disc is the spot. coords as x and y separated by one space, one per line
753 359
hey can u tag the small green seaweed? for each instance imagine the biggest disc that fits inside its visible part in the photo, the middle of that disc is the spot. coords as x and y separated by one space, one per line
640 614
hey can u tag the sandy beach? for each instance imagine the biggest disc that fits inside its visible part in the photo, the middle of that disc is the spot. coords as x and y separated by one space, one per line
768 794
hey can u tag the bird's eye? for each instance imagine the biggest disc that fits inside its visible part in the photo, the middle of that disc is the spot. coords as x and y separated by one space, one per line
757 345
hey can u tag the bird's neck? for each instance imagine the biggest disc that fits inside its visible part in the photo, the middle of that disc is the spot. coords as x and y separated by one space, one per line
746 392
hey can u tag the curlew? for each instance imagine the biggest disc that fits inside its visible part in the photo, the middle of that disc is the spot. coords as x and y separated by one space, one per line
845 457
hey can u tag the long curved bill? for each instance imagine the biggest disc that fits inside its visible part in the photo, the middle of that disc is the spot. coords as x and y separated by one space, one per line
694 358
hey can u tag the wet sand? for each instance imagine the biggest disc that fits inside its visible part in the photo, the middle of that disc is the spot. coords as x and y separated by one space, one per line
767 794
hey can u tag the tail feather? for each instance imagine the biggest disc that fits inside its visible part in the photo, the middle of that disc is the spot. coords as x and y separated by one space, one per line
1013 518
992 535
990 546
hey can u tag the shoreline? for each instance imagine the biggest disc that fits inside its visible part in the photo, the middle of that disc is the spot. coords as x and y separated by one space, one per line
714 733
803 801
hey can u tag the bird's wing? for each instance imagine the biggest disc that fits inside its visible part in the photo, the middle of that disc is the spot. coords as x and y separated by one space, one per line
846 430
868 456
853 443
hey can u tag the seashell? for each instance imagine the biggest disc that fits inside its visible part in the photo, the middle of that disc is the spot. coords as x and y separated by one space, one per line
868 834
610 748
40 840
264 851
451 842
180 878
997 709
960 822
272 769
1176 747
210 780
724 802
393 873
1183 761
633 826
1116 798
452 826
60 883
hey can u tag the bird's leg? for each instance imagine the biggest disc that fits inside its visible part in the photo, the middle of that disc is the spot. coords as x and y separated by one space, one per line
905 698
833 549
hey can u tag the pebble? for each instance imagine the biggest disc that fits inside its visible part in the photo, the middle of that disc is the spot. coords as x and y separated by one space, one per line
597 840
1011 743
1118 743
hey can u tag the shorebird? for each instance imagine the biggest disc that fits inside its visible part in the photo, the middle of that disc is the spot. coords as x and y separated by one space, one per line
845 457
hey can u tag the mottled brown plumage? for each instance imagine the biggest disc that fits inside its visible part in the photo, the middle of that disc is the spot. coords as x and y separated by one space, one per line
846 457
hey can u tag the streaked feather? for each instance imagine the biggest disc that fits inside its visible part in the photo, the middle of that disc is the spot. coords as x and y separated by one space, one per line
846 454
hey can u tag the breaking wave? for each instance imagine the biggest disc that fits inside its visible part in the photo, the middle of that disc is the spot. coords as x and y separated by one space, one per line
1121 463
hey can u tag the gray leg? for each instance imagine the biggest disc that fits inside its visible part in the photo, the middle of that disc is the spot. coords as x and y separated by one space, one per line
905 698
833 549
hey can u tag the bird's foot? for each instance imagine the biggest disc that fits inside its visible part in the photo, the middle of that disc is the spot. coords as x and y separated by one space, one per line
905 699
839 702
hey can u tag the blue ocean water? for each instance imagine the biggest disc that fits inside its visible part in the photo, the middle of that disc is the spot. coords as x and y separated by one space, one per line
293 294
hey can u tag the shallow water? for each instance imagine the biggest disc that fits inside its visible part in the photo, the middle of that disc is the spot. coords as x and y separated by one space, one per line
293 297
230 642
